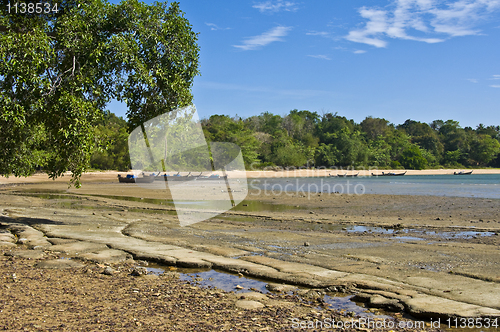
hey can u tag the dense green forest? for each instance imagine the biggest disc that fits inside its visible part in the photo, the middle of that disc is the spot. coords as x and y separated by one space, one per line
304 138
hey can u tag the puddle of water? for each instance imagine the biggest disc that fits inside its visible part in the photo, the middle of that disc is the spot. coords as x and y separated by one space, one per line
155 270
236 218
343 302
213 278
225 281
443 234
76 205
228 282
48 195
137 199
409 238
372 229
247 206
40 191
276 246
464 234
257 206
346 245
149 211
67 201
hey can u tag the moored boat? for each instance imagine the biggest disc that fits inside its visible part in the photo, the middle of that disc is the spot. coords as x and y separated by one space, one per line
177 177
462 173
343 175
134 179
212 177
389 174
350 175
189 177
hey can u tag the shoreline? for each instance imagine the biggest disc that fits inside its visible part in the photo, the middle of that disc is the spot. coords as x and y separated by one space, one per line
108 175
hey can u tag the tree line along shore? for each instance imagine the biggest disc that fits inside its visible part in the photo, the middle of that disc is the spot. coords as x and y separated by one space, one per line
304 138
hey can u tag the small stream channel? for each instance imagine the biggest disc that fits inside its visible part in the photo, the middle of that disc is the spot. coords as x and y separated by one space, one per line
229 282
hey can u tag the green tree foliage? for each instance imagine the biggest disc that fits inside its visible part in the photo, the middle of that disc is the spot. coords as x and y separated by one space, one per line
424 136
412 158
302 137
380 152
112 138
453 136
221 128
289 155
342 139
298 140
398 141
374 127
484 149
59 70
492 131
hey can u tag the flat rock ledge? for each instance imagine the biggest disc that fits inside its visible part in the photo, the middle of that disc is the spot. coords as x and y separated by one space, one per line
420 298
59 264
28 254
248 304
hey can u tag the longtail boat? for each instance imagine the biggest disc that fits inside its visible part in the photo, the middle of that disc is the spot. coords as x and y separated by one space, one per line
134 179
462 173
389 174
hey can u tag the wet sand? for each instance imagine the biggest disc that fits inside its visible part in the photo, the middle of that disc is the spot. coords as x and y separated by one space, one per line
420 252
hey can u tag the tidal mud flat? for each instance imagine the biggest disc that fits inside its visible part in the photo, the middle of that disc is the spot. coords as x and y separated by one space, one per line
431 257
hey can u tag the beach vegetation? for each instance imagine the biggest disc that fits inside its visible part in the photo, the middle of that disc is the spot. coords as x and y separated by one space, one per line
58 72
306 139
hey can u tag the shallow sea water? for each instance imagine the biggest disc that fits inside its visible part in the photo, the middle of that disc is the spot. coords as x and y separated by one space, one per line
474 185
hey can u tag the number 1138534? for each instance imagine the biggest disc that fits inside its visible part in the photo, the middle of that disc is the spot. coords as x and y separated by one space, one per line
32 8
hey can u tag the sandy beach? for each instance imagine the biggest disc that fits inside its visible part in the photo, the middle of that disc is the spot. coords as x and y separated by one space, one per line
112 175
430 257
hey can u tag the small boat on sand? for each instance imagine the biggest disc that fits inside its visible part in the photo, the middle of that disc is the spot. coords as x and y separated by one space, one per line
177 177
344 175
350 175
389 174
134 179
189 177
462 173
212 177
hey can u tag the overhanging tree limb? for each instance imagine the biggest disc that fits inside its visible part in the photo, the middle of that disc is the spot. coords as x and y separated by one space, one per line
59 71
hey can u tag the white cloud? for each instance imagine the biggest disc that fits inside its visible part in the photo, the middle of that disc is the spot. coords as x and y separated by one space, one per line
214 26
359 52
253 43
276 6
472 80
320 56
429 21
495 86
376 26
318 33
496 77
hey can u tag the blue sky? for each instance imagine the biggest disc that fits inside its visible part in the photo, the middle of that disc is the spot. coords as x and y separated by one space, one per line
396 59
